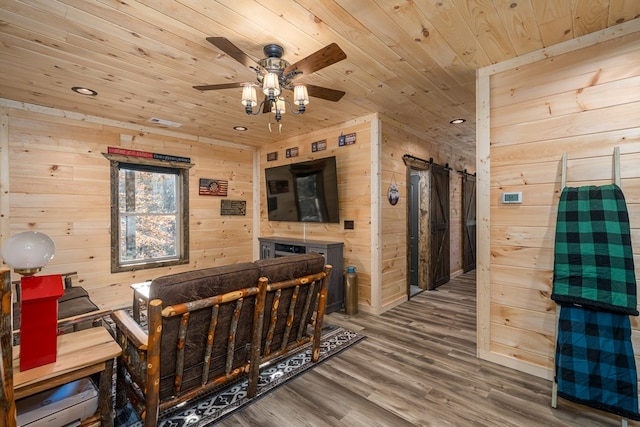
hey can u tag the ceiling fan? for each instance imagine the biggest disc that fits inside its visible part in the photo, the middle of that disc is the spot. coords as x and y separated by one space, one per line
274 74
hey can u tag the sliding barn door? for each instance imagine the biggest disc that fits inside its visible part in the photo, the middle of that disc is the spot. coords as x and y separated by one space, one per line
469 222
439 225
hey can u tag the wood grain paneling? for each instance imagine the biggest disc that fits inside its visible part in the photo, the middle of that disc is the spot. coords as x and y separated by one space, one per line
412 61
353 164
584 101
59 184
396 142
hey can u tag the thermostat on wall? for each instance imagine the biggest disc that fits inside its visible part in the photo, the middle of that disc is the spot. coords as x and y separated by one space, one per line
515 197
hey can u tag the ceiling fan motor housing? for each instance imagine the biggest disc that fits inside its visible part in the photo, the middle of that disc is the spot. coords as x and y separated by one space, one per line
274 63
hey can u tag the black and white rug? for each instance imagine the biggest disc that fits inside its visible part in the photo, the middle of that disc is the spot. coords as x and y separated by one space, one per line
209 409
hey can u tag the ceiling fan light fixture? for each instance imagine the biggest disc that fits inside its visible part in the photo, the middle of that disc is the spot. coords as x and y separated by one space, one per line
249 96
300 97
279 106
275 75
271 86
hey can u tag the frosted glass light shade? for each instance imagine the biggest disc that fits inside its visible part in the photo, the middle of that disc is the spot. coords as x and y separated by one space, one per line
270 85
300 95
279 107
249 97
28 252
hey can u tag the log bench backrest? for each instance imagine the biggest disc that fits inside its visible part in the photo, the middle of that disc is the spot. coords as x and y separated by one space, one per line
204 331
208 326
288 308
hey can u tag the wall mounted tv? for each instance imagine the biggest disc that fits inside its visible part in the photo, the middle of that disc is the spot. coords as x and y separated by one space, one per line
303 192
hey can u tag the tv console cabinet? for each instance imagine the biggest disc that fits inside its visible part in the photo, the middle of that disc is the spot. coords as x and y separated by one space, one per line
273 247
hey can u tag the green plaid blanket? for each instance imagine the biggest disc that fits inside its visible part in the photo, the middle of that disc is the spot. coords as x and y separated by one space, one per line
593 263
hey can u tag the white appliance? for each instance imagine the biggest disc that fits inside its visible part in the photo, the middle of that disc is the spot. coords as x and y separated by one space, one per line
65 405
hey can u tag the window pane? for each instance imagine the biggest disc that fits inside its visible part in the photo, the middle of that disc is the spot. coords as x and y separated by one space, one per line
147 192
144 237
148 216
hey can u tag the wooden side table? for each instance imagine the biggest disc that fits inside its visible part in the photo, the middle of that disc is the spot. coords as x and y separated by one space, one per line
80 354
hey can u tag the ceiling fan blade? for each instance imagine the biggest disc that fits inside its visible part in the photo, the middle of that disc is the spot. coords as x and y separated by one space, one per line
220 86
324 93
266 108
232 50
316 61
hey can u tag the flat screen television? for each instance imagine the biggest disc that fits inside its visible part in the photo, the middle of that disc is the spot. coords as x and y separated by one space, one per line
303 192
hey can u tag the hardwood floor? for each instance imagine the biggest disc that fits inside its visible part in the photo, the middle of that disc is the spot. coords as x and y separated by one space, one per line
418 367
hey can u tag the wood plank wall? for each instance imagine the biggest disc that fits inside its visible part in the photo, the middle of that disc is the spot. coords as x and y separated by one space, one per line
380 290
580 100
353 163
59 184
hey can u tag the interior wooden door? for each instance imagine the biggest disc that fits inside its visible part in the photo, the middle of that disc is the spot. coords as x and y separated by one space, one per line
469 222
440 244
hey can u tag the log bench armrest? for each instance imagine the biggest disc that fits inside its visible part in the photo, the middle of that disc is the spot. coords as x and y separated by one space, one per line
130 329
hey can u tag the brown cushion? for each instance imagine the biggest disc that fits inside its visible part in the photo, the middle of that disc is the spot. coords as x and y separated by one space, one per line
74 302
190 286
290 267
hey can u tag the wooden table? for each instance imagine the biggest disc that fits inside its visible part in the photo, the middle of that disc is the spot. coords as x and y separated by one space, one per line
80 354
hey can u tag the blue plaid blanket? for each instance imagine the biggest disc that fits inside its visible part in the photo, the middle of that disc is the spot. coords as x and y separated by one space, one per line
594 361
593 256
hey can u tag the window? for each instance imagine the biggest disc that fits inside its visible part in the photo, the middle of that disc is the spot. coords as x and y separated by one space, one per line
149 216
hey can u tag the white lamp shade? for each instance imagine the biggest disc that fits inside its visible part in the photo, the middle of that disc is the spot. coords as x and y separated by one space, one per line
249 97
270 84
279 106
30 250
300 95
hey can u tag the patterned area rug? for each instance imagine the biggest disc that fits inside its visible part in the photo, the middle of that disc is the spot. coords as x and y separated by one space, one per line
209 409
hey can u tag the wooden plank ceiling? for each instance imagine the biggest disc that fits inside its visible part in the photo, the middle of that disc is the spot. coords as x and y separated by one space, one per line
413 61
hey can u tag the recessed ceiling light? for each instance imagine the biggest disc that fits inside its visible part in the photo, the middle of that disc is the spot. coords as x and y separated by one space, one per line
84 91
457 121
240 128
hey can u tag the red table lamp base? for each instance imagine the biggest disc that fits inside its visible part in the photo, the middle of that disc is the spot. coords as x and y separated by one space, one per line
39 319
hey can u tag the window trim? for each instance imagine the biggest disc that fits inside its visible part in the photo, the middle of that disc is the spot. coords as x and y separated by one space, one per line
182 170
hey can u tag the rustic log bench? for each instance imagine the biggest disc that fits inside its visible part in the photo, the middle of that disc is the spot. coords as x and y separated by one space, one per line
212 326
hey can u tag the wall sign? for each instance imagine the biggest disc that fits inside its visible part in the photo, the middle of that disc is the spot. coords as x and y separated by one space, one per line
347 139
147 155
393 194
319 146
213 187
233 207
291 152
272 156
